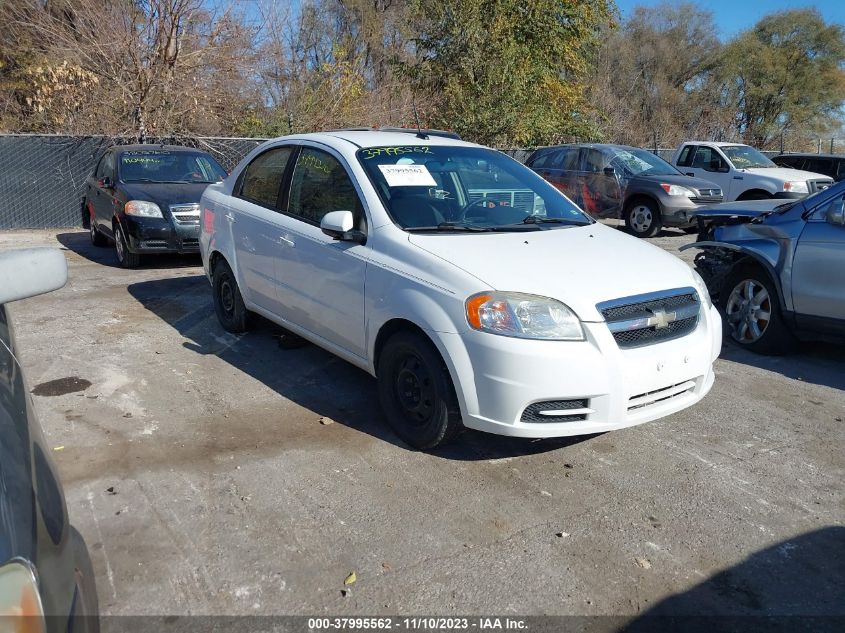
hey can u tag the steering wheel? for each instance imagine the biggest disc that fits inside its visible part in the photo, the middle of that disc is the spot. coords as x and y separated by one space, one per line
462 214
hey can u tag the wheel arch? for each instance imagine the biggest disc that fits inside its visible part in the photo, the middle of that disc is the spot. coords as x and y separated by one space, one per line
640 196
744 256
754 191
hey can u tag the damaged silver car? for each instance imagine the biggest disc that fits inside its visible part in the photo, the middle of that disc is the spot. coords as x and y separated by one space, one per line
776 269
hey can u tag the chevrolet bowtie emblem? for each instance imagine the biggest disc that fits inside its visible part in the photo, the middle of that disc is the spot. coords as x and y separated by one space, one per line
662 319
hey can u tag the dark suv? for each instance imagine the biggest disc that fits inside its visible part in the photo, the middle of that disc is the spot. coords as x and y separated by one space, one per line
617 181
145 198
827 164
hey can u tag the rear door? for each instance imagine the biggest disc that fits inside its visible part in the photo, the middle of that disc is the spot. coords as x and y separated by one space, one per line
818 271
599 190
257 227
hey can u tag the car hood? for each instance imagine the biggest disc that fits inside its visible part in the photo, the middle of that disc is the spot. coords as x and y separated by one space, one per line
785 173
580 266
164 194
683 181
746 208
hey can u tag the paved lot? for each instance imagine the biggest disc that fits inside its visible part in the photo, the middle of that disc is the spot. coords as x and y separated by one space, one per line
197 469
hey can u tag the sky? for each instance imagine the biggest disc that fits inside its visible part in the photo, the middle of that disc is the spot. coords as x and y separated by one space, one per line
733 16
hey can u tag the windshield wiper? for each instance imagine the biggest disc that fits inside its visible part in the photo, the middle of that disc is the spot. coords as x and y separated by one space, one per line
533 219
449 226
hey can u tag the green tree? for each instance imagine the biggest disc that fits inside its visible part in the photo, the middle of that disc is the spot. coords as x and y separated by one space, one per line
506 72
785 74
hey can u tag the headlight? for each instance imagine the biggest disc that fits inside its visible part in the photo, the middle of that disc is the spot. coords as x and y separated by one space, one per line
20 602
142 209
702 289
796 186
523 316
677 190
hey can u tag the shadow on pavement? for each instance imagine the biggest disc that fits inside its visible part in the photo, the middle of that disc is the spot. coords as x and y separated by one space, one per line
308 375
795 585
80 243
813 362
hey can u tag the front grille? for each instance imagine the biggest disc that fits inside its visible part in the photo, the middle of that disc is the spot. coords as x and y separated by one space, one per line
710 194
533 412
657 396
186 213
154 244
653 318
818 185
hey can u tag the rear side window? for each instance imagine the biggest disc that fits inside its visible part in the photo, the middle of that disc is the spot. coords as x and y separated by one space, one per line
820 166
263 177
685 158
319 185
542 161
795 162
840 170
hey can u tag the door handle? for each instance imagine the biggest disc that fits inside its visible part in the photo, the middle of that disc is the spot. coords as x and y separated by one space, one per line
689 173
283 239
230 217
738 177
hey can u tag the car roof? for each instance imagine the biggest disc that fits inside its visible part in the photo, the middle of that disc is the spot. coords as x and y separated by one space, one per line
716 143
810 155
378 138
593 145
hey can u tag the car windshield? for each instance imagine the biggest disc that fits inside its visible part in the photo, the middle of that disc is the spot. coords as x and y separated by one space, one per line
166 166
457 188
745 157
639 162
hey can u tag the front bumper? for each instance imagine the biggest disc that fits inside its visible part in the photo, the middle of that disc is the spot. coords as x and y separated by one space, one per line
161 235
675 212
497 378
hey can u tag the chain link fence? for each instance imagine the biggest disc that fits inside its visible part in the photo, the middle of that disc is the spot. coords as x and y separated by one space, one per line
42 178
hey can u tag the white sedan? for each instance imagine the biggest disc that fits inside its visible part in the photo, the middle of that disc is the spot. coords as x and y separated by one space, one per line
477 294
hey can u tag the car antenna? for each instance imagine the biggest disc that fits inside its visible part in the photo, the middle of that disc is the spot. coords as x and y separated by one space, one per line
417 120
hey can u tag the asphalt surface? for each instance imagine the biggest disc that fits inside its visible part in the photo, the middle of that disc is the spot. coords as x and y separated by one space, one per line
198 470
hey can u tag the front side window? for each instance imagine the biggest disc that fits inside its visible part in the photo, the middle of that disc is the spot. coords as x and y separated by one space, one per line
745 157
320 185
459 188
166 166
262 178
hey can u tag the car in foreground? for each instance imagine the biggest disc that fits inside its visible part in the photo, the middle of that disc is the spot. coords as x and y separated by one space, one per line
46 580
617 181
474 291
776 268
831 165
744 173
145 199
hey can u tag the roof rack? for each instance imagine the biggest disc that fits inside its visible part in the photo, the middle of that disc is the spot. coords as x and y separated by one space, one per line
404 130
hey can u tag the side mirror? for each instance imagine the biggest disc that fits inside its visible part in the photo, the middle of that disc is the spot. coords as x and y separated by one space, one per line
836 212
105 183
610 171
339 225
31 271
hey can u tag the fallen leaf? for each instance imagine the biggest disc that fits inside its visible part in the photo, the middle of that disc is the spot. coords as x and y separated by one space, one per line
562 534
386 566
58 448
350 579
642 562
324 420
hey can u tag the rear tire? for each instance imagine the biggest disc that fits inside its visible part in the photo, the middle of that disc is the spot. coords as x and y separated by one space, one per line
97 238
125 257
416 391
642 218
228 302
749 301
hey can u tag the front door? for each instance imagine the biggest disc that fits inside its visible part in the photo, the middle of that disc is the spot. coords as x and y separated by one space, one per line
818 272
322 278
100 198
709 164
599 190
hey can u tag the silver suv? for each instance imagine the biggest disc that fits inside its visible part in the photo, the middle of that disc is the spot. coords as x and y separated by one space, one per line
777 270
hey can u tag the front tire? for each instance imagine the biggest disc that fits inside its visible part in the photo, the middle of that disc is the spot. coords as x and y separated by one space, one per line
752 312
642 218
416 391
125 257
228 302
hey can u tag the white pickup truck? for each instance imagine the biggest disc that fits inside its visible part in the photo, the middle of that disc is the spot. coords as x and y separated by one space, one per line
744 173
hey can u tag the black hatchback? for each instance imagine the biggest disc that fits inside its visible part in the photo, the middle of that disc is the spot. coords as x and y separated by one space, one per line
145 199
832 165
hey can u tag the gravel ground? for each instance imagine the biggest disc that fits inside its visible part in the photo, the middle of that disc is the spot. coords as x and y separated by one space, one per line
229 496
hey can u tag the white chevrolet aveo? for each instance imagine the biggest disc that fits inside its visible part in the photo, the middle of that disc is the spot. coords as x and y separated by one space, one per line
475 292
